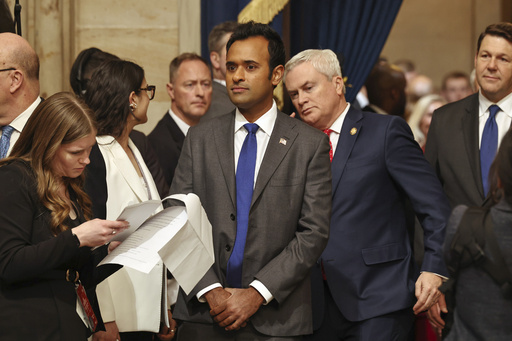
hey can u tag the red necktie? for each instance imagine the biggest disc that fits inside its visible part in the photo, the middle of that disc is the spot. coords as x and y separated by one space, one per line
328 132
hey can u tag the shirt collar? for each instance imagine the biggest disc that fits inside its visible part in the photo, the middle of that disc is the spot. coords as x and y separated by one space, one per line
505 104
336 126
265 122
19 122
220 81
179 122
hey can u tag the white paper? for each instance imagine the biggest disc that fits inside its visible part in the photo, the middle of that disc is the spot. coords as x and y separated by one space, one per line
136 214
180 236
140 250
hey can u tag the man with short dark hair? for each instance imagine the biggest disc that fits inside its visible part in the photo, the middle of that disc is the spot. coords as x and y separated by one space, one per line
217 40
190 90
456 86
264 180
464 136
19 88
386 90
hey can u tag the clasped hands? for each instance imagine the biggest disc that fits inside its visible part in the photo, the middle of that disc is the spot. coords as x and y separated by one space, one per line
232 308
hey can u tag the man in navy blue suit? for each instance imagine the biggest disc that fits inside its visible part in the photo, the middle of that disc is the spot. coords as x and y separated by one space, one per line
365 284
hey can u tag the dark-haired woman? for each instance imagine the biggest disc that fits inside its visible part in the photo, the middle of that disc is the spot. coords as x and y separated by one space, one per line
482 312
45 241
130 301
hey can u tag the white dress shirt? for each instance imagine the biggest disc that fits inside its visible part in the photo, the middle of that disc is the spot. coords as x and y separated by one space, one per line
334 137
19 123
503 117
179 122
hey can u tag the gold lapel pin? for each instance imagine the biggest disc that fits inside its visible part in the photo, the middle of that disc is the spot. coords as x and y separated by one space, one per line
353 131
282 141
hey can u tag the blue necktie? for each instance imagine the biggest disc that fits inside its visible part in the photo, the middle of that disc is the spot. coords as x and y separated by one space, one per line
244 189
489 146
5 141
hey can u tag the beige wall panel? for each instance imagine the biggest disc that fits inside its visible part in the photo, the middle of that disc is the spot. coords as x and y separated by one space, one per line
146 33
438 35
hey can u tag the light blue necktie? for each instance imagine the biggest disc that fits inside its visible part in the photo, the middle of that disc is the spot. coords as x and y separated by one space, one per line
489 146
5 141
244 189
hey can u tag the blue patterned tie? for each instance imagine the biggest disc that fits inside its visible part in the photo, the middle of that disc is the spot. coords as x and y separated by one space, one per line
244 189
489 145
5 141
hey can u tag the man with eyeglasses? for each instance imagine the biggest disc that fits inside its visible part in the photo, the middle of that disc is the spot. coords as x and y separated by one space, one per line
190 89
19 88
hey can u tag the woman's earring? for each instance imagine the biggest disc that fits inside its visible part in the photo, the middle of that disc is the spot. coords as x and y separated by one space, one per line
133 106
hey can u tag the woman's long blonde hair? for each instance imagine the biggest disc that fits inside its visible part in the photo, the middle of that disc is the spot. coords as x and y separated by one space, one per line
60 119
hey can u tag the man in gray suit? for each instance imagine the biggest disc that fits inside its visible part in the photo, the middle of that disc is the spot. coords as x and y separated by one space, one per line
459 132
262 292
217 40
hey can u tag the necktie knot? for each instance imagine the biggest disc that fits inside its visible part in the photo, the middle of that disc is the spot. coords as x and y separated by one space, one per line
493 110
251 128
328 131
7 131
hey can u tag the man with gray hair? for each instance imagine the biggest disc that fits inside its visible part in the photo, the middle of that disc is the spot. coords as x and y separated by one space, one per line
365 281
19 84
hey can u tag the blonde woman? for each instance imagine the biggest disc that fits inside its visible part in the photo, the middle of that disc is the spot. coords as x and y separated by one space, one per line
45 241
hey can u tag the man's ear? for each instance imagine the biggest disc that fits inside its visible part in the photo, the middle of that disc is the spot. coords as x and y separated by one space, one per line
277 74
215 60
338 84
170 90
17 79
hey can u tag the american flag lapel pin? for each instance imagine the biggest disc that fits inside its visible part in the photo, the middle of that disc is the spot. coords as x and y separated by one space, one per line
282 141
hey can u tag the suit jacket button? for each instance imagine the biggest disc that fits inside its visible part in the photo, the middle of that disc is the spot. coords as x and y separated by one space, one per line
232 216
228 248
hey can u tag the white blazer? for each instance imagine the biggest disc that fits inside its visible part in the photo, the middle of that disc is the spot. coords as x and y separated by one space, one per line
130 298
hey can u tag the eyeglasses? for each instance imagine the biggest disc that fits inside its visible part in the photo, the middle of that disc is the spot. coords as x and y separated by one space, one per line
150 89
8 69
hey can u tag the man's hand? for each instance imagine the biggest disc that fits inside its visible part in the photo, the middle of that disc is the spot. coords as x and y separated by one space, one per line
216 296
167 333
234 312
111 334
427 291
434 315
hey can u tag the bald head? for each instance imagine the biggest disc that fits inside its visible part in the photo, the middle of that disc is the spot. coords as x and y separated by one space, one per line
17 53
19 82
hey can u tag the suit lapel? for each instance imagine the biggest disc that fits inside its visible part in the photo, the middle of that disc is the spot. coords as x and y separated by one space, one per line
470 125
276 151
349 133
124 165
175 131
224 136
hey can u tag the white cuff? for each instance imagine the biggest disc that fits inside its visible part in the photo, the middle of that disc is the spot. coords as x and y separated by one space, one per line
200 294
262 289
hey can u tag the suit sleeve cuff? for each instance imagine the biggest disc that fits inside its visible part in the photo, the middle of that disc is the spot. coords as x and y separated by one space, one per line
262 289
200 294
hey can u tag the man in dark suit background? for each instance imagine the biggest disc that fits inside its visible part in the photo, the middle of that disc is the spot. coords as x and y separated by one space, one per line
455 144
365 282
260 291
217 40
190 90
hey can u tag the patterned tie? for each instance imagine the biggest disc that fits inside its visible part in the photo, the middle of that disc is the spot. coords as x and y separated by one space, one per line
489 145
5 141
244 189
328 132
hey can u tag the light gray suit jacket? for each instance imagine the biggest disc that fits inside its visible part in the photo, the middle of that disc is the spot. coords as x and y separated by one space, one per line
288 221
